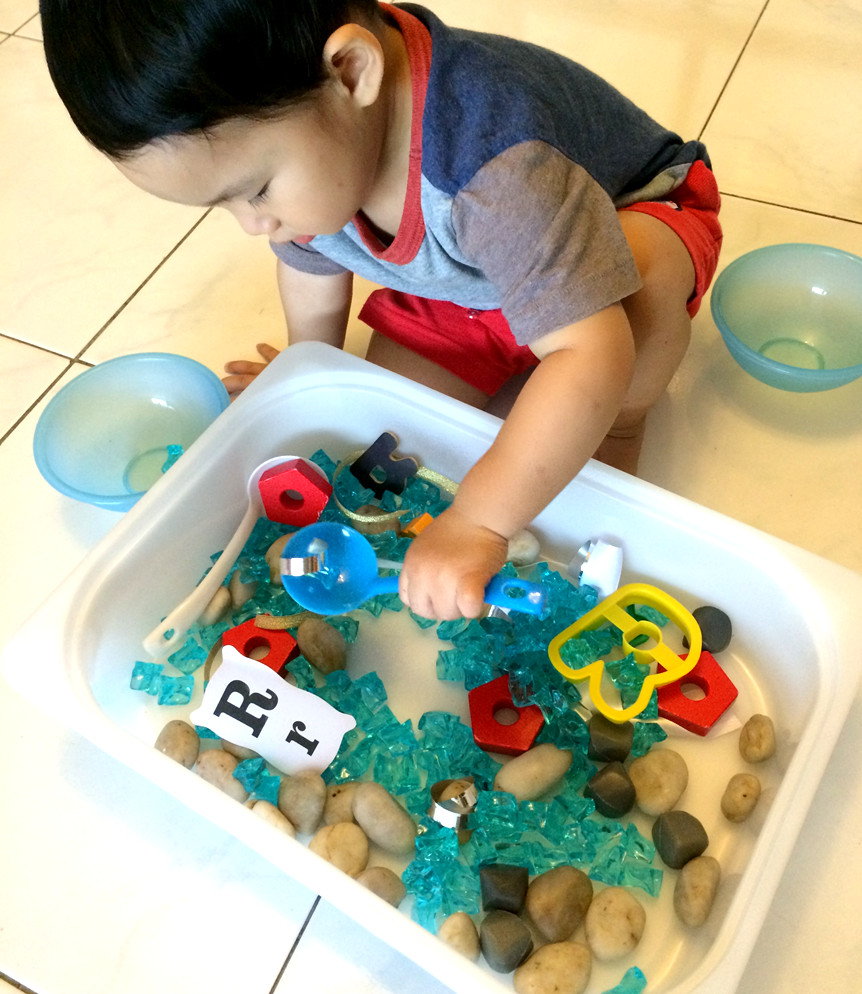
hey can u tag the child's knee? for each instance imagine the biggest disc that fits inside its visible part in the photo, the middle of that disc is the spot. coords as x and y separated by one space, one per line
666 268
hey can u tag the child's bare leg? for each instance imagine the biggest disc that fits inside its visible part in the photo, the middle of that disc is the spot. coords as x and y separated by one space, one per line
661 328
382 351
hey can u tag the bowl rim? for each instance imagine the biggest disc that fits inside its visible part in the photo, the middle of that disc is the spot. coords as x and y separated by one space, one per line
114 502
834 376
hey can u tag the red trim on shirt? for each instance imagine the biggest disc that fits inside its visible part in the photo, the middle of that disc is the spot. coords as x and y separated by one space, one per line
411 229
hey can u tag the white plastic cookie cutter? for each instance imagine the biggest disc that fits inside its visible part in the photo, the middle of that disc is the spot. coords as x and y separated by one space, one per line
612 610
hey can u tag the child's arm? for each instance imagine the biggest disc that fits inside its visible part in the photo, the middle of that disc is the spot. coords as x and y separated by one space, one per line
563 413
316 309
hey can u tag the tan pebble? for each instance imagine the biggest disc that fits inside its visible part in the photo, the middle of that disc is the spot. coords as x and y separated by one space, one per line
217 608
216 767
383 819
558 968
270 814
459 932
386 522
740 797
241 752
757 739
614 924
179 740
273 559
557 901
322 645
695 890
240 591
301 799
383 882
339 802
523 548
660 778
534 772
213 660
344 845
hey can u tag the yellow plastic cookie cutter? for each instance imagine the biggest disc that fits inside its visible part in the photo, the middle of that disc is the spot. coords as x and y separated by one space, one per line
612 610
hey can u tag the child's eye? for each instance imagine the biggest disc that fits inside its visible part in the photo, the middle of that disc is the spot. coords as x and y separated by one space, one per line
259 198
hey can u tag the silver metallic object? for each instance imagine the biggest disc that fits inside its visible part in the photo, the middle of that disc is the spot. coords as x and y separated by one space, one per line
300 565
452 803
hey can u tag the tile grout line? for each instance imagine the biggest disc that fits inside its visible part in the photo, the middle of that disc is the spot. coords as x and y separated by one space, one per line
15 984
146 281
733 69
790 207
40 348
37 401
293 948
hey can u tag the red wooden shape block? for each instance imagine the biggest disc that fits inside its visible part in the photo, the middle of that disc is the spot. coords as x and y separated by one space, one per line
280 645
492 735
294 493
698 716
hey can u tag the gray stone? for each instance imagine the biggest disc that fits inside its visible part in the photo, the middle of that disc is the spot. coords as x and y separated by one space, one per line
505 941
609 740
504 887
678 837
716 628
612 791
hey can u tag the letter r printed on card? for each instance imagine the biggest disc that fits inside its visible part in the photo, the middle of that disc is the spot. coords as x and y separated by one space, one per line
248 704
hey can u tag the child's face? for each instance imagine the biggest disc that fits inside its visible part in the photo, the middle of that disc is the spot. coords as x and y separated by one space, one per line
308 172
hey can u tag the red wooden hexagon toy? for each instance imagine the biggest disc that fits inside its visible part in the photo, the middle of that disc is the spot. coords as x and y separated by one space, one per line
280 646
294 493
698 716
493 735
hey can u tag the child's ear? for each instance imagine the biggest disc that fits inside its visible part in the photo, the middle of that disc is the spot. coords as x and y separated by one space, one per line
354 56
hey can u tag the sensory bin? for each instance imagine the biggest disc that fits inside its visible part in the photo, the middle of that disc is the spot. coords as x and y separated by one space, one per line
408 754
791 657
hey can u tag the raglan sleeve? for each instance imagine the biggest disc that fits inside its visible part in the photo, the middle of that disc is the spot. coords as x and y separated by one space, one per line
306 259
547 236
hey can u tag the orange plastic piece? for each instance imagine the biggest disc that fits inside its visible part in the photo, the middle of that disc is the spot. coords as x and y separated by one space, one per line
412 528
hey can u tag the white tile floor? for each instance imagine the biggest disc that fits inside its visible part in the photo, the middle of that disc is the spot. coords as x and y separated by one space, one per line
90 268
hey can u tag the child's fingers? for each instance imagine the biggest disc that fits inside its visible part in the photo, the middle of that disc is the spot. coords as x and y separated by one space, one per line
244 367
267 352
237 382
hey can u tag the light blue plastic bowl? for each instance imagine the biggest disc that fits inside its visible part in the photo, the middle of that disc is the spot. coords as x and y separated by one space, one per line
791 315
104 437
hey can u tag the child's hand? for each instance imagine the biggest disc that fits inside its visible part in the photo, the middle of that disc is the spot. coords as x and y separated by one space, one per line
242 372
448 566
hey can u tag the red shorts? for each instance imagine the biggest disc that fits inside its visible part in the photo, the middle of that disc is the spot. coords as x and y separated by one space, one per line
478 347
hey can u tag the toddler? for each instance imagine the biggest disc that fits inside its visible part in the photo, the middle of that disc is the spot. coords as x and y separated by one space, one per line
531 229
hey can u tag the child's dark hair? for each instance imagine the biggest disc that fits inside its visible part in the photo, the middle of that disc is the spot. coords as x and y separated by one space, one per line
133 71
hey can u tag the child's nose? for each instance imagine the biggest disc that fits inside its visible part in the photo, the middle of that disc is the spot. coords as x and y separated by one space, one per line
253 223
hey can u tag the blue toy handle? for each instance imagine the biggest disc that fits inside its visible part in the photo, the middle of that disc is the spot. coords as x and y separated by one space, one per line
502 591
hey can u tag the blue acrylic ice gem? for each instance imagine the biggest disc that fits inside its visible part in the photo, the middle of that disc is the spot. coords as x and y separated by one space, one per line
646 735
633 982
175 690
189 657
146 676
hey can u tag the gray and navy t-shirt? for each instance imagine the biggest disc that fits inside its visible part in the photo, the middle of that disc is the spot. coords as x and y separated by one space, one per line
520 159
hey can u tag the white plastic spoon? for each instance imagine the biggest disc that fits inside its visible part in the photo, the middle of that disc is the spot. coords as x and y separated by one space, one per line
169 634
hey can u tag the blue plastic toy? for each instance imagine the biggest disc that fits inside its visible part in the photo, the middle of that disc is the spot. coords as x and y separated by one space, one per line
342 574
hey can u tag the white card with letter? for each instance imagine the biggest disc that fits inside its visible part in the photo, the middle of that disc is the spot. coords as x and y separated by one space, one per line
248 704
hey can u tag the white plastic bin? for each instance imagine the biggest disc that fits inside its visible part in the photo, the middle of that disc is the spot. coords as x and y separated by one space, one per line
794 653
